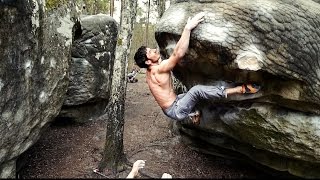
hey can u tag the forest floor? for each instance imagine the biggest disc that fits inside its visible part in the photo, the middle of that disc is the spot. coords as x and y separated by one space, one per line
69 150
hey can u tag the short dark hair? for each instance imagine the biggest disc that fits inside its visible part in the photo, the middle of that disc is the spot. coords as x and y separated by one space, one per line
141 56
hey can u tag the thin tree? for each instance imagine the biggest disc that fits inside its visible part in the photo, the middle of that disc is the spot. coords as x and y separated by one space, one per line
95 7
111 7
147 23
161 7
113 155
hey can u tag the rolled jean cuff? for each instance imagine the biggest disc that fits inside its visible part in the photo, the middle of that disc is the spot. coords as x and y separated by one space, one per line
224 92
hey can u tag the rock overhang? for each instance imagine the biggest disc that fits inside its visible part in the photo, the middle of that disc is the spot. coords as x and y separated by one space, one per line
271 43
245 45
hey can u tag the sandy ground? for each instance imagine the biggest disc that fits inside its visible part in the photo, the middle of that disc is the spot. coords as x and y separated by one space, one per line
69 150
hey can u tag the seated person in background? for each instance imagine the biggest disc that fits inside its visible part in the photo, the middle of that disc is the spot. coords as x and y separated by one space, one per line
132 76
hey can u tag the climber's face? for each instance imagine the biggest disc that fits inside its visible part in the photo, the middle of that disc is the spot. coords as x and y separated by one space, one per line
153 55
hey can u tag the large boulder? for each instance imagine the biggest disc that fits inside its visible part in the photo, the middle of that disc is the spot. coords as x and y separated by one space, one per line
93 52
35 50
273 43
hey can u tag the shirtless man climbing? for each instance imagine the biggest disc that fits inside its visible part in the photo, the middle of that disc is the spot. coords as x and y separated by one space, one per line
158 77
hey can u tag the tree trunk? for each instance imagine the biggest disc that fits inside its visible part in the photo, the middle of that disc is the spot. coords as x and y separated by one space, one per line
161 7
95 7
111 7
113 155
147 23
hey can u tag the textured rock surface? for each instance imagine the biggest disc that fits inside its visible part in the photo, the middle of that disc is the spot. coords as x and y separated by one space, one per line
273 43
92 62
35 48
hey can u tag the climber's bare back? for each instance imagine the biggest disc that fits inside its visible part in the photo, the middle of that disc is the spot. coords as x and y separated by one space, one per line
160 86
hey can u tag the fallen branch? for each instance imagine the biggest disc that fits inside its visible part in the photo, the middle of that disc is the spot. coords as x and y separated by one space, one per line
97 172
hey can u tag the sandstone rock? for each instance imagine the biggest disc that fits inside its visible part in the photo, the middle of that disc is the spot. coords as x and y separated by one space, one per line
272 43
93 52
35 46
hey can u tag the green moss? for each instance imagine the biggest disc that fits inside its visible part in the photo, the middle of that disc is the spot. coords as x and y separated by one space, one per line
119 42
51 4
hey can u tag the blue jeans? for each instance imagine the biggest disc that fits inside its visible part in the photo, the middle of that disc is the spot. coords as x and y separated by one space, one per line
184 103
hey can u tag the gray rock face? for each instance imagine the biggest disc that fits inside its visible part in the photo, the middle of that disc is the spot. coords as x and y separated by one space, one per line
273 43
35 48
92 62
